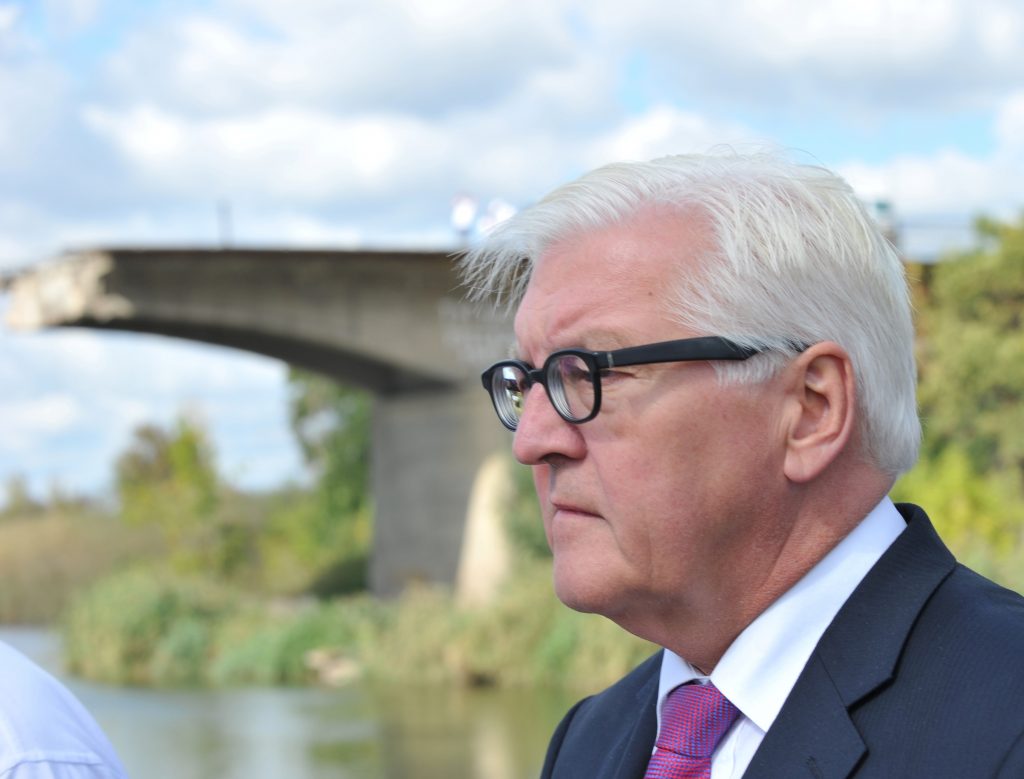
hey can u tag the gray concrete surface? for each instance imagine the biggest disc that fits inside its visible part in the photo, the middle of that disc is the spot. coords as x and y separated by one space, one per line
392 322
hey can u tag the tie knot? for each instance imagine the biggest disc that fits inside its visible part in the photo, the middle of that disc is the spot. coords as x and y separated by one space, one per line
694 719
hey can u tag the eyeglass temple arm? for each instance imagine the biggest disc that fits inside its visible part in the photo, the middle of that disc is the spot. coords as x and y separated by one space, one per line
710 347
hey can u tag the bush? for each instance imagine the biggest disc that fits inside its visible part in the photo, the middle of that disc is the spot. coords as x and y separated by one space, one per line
149 628
980 516
144 627
526 637
272 648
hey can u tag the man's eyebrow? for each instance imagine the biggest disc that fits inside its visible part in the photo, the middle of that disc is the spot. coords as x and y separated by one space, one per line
602 341
608 342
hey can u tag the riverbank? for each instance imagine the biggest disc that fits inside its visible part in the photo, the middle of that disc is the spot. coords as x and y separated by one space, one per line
152 627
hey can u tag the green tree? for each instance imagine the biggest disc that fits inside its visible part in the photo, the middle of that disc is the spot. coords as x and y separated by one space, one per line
320 539
523 521
18 500
978 515
971 350
971 394
331 422
168 478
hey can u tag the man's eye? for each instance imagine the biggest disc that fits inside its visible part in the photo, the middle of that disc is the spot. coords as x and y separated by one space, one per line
575 374
610 375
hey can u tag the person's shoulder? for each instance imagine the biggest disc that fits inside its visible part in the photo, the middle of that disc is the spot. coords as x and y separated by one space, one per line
952 704
44 729
632 684
614 725
982 611
964 606
627 694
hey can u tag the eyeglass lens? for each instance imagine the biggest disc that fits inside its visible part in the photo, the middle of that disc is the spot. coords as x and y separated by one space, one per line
508 388
570 388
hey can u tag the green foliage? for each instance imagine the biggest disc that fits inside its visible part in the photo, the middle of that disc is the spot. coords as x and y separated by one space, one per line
18 501
980 516
155 627
529 637
169 479
301 550
526 637
332 424
523 522
298 539
971 393
971 349
180 657
268 647
158 628
320 538
46 559
143 626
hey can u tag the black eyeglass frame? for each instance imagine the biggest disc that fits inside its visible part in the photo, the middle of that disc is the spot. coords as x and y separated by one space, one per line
710 347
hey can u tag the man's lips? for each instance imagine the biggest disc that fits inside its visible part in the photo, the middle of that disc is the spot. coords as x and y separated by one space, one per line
571 508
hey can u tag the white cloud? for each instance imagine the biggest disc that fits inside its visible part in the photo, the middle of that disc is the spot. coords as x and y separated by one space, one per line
664 130
284 153
69 17
350 56
9 14
45 416
340 122
385 110
70 400
793 56
31 94
1009 124
950 181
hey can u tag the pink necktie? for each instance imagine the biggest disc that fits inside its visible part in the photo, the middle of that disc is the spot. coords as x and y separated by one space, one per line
693 721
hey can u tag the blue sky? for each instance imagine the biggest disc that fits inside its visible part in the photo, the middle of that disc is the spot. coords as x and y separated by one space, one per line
354 123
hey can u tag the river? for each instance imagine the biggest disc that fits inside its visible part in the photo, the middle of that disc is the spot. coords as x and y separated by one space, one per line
360 731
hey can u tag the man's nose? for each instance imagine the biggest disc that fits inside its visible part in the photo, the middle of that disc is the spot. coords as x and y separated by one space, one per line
541 432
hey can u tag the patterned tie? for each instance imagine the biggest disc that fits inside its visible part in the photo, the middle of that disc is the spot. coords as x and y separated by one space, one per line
693 721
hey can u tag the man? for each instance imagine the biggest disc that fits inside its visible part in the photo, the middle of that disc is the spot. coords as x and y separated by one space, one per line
714 383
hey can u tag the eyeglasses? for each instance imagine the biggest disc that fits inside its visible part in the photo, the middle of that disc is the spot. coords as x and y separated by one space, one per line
572 377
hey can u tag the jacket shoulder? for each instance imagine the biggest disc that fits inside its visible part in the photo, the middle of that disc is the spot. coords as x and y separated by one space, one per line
614 726
952 706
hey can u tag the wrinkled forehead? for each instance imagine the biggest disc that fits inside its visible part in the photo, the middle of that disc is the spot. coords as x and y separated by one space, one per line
617 278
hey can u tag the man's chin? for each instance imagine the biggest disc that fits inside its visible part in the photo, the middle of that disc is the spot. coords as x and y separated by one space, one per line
587 594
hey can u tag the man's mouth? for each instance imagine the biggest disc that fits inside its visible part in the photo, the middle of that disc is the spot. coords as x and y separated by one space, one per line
562 507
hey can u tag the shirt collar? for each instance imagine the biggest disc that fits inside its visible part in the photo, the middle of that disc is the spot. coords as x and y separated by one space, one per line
760 668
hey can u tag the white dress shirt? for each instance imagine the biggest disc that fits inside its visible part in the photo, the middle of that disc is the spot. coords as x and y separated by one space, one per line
760 668
45 733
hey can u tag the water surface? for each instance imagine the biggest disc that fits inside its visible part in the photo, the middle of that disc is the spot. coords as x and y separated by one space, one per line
360 731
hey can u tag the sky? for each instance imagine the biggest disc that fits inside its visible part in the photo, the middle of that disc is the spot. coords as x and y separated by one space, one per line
356 123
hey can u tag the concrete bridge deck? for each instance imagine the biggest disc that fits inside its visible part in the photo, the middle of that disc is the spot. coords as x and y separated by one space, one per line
392 322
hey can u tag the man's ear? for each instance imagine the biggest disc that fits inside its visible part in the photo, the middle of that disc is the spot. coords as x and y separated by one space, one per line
821 410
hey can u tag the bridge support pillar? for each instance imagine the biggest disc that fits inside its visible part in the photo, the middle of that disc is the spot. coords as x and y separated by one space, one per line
428 448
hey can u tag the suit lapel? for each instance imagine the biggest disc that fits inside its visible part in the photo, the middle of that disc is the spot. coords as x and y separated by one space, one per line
814 736
628 759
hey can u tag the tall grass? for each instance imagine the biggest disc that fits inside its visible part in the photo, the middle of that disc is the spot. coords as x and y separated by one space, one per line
46 559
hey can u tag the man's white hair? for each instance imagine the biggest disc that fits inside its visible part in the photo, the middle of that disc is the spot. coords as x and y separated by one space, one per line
796 259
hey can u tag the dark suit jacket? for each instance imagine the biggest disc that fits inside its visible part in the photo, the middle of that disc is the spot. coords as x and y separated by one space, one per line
920 674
